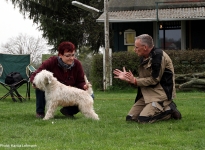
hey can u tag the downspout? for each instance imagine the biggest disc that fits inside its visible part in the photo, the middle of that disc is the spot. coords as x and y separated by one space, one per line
157 24
157 11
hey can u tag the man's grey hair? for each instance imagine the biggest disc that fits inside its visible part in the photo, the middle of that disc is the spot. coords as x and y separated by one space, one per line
145 40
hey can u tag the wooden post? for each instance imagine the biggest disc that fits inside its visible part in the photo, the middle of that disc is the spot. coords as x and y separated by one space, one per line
107 58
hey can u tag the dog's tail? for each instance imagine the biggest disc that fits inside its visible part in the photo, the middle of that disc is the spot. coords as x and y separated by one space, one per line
89 90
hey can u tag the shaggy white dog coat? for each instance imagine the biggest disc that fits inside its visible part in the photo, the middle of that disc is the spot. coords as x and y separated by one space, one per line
58 94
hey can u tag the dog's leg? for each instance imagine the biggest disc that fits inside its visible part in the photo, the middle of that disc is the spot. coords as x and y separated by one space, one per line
50 111
88 111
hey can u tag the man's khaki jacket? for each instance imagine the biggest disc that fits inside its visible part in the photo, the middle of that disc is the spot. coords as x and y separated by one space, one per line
156 79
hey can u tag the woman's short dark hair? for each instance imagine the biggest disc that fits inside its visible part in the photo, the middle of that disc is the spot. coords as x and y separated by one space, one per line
66 47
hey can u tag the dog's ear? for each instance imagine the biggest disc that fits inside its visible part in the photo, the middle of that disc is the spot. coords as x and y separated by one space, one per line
49 79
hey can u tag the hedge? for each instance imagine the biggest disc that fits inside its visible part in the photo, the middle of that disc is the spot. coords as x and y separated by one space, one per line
184 61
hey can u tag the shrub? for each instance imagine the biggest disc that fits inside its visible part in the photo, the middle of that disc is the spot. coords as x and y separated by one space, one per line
184 61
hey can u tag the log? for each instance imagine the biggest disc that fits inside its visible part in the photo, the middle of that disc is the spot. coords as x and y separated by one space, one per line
191 75
193 82
190 81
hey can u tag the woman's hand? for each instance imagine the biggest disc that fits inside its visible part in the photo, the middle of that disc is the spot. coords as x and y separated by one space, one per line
85 87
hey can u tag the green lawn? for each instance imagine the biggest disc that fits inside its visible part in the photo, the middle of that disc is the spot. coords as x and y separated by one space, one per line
21 130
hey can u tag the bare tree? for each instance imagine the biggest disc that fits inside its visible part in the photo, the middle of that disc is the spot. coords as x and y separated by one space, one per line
25 44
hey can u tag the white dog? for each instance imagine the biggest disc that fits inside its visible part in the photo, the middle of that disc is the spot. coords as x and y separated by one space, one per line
58 94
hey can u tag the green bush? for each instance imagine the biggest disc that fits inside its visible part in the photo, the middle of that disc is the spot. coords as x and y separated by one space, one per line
129 60
97 72
187 61
184 61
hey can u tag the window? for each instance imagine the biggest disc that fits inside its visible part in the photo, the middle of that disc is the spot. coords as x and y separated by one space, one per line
170 35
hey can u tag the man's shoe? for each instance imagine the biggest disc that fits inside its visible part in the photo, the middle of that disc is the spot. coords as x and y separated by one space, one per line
65 113
129 118
39 115
175 113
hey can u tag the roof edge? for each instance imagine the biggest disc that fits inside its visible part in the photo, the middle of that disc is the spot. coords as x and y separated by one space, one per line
149 20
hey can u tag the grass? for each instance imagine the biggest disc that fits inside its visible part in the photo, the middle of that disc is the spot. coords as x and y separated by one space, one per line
21 130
